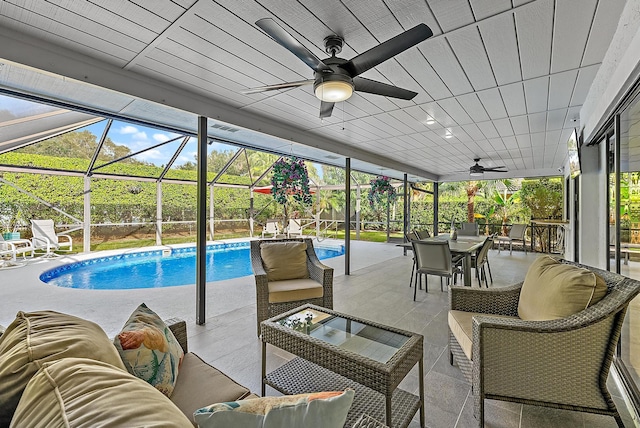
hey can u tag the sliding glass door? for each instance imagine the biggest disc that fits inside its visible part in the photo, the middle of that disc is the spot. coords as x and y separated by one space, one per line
624 230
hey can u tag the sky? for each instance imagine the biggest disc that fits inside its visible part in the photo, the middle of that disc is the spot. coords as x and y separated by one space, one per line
138 137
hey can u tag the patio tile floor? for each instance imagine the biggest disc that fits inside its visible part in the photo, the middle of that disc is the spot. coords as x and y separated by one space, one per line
377 289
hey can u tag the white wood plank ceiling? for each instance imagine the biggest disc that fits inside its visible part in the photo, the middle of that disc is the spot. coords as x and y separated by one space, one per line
504 79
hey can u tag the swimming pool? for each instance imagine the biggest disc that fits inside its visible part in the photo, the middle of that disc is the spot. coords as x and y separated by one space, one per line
153 269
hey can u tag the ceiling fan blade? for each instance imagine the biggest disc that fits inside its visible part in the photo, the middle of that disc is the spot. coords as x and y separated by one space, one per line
285 39
285 85
388 49
496 169
326 109
374 87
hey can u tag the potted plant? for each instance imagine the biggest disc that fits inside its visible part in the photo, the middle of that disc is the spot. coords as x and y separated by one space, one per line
381 190
290 179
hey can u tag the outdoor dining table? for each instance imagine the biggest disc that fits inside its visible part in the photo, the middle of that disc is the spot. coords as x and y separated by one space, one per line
465 245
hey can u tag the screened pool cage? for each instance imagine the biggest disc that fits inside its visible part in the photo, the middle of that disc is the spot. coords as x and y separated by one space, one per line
113 184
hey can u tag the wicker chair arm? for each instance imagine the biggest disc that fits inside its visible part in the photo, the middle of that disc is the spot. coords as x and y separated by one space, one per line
319 271
179 329
498 301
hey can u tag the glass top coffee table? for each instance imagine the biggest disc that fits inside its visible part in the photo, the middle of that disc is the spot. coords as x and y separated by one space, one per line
337 351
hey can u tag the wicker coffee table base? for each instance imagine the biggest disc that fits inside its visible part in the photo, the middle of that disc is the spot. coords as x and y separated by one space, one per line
299 376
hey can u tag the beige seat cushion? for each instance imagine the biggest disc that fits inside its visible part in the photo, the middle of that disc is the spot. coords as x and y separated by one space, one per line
461 325
39 337
284 260
293 290
199 385
553 290
79 392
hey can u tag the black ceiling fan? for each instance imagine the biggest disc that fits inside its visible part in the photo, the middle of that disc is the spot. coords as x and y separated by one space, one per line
335 78
478 170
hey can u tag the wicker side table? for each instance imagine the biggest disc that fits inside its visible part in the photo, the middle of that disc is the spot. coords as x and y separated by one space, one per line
341 352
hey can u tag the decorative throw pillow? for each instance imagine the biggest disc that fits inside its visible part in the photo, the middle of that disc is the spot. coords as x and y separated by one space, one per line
319 409
285 260
553 290
35 338
79 392
149 349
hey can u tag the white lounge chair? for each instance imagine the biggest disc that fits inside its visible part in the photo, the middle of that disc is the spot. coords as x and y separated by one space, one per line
294 229
271 228
45 238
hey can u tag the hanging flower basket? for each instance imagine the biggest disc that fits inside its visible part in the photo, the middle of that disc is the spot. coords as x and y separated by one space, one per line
381 190
290 178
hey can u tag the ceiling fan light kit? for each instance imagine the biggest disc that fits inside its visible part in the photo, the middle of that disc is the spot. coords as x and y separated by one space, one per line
333 91
336 79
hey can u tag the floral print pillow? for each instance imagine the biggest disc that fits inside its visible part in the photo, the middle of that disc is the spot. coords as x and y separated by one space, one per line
149 350
315 410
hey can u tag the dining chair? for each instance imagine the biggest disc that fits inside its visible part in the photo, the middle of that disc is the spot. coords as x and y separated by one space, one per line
434 258
422 234
410 237
469 229
516 234
480 259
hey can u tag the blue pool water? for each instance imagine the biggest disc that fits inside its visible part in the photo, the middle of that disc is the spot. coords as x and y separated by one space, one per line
150 269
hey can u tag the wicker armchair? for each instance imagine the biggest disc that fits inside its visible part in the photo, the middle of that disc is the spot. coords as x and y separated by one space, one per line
317 272
562 363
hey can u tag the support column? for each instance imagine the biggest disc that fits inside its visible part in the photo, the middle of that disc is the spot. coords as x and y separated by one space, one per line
358 225
405 215
159 213
436 199
212 226
86 220
251 213
388 215
347 218
201 223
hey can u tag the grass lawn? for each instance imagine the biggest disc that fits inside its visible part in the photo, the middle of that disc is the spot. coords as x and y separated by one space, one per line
148 241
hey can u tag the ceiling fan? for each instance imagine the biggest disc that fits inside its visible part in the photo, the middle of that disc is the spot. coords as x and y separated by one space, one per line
336 78
478 170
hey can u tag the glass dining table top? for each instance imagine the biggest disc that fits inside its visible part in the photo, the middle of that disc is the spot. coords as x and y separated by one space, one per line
366 340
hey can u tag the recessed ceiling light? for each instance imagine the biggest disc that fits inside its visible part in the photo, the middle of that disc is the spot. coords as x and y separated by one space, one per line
448 135
429 121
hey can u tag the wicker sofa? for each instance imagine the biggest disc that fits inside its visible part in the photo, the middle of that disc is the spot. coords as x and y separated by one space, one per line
561 363
199 384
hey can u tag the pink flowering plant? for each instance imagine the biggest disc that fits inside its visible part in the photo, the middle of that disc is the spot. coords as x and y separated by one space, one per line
380 190
290 178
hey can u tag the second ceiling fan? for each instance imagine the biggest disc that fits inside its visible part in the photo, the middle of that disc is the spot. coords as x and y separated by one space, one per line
335 79
478 170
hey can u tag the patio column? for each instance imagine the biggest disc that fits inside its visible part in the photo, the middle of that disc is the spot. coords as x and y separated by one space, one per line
86 221
212 230
358 226
159 213
251 212
347 217
436 198
201 223
405 215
